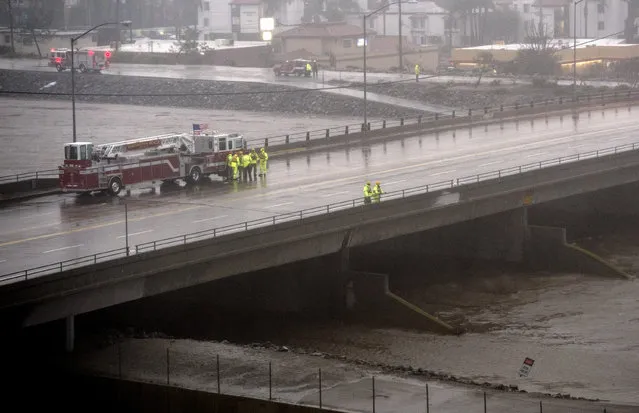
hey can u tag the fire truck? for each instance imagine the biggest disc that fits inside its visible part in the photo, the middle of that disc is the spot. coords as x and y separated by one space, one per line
166 158
84 60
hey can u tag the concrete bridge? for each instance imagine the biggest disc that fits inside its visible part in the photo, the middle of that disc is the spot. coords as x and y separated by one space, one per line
473 217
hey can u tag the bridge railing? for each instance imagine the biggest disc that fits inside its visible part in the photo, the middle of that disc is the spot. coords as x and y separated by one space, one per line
338 132
306 213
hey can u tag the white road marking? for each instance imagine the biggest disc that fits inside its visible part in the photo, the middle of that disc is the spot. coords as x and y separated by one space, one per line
489 163
136 233
1 261
581 145
277 205
534 155
63 248
618 138
443 172
210 219
394 182
334 193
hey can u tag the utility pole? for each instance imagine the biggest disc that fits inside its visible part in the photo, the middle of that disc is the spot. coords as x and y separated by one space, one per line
10 7
401 65
117 19
541 19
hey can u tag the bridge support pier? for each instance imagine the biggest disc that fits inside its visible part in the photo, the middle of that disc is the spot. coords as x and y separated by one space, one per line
70 333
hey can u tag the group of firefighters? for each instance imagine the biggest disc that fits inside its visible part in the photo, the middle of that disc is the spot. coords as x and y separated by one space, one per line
372 194
242 166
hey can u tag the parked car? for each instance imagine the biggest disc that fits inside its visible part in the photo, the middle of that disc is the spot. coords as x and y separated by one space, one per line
295 67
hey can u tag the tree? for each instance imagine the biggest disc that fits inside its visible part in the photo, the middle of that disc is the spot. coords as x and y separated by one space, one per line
331 10
8 6
538 56
37 19
473 14
502 25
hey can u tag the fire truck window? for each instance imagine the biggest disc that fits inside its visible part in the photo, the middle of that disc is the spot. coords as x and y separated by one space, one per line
89 151
73 152
210 143
66 152
222 144
83 152
230 145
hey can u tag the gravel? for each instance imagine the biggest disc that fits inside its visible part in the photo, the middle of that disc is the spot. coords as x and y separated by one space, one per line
229 95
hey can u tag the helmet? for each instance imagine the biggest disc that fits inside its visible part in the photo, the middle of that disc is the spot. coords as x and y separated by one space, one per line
377 183
368 183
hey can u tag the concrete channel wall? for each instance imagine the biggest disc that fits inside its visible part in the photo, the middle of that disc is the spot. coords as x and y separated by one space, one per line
288 145
126 279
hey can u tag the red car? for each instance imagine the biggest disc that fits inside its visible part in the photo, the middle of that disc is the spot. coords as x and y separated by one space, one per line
295 67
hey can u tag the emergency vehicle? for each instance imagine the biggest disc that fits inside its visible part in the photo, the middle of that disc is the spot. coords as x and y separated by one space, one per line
112 167
84 60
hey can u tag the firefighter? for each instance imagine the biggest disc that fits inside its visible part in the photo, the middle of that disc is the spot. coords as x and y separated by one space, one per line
263 159
234 165
229 166
240 165
377 192
246 167
253 168
417 72
368 192
309 69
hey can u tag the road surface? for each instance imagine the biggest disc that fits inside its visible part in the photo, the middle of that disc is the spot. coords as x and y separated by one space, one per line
246 74
51 229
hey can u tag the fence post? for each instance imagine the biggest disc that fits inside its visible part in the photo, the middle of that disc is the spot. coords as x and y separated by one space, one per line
308 136
373 394
384 124
485 410
320 387
501 108
270 382
288 140
561 100
168 368
328 133
532 104
265 142
401 122
120 360
485 110
217 372
470 113
541 407
427 400
346 130
453 114
419 119
516 106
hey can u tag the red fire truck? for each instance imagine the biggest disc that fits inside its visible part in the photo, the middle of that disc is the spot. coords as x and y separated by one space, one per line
84 60
166 158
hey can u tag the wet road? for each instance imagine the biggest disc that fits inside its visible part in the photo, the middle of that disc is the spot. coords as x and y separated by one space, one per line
48 230
37 130
248 74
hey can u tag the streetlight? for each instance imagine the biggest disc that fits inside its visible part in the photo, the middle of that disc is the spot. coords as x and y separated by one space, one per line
73 40
574 47
366 44
126 228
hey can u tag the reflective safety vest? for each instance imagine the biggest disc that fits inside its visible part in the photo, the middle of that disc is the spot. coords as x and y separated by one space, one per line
367 191
246 160
253 158
229 159
235 160
263 156
416 69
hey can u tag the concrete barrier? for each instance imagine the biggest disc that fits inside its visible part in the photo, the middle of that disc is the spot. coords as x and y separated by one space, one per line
548 250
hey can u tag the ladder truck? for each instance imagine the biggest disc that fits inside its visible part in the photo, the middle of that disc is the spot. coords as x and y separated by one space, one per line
111 167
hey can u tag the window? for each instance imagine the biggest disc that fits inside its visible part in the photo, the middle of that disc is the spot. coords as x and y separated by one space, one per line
222 144
83 152
600 8
206 6
206 22
526 8
346 43
600 26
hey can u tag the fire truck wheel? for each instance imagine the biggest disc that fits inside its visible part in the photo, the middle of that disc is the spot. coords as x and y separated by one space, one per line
83 69
115 186
59 68
195 175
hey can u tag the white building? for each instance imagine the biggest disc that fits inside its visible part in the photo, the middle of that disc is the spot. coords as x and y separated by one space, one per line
423 22
599 18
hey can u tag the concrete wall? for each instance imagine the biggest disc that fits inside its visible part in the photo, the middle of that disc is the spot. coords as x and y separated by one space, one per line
495 237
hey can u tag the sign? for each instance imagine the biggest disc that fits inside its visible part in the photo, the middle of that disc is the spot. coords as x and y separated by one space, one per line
526 367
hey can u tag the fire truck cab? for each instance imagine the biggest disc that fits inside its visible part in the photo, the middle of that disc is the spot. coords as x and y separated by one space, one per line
83 60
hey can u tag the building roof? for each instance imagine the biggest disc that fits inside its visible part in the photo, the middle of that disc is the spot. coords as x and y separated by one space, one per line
556 43
323 30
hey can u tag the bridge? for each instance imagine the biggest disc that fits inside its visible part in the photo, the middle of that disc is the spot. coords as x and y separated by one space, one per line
499 200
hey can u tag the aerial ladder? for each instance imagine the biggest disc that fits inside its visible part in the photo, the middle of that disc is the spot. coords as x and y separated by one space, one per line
170 142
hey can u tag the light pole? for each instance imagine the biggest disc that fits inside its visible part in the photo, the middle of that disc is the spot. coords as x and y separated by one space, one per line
73 40
126 228
366 45
574 46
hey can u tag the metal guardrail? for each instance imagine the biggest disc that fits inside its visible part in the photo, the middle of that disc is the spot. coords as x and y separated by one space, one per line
345 130
307 213
31 273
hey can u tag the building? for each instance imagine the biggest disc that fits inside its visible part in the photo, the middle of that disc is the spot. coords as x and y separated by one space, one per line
599 18
25 44
423 22
339 45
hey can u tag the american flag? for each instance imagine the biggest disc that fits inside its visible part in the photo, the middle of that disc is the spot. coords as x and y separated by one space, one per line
199 127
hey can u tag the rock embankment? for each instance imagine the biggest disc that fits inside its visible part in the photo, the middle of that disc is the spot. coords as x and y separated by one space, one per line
152 91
